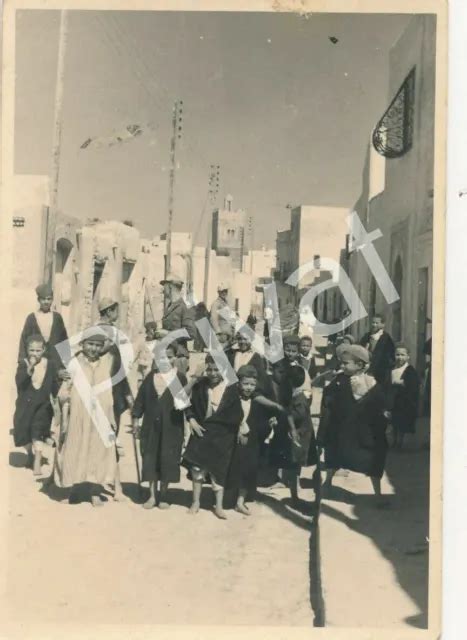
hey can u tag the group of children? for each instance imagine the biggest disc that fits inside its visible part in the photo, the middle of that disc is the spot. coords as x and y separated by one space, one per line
234 430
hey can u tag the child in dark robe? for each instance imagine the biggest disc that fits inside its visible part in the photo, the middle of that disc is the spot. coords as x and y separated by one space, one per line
295 447
37 384
162 431
405 393
214 418
353 423
253 430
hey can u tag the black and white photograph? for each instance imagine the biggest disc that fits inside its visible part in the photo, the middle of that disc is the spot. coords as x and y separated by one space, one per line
223 245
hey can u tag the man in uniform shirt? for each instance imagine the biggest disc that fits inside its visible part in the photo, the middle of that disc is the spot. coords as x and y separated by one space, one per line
220 324
177 316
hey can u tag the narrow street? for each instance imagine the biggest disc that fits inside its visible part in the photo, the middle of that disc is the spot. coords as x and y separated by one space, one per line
208 572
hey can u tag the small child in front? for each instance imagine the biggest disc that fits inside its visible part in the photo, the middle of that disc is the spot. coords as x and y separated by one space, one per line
253 430
405 385
214 419
162 431
37 384
294 443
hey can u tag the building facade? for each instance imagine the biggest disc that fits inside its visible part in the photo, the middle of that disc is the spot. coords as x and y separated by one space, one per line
397 192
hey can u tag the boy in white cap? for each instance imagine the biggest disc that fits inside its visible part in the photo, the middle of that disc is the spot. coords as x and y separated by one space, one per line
353 424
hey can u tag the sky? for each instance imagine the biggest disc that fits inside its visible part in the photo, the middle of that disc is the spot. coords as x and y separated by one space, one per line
286 113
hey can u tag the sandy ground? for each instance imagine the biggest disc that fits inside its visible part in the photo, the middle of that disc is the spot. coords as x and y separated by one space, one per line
374 562
122 564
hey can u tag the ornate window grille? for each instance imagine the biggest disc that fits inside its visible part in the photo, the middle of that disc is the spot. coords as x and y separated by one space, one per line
393 135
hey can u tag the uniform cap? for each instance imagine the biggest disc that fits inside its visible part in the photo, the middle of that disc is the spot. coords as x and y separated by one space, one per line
106 303
172 278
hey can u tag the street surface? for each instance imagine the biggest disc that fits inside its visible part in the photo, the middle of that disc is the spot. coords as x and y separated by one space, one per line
122 564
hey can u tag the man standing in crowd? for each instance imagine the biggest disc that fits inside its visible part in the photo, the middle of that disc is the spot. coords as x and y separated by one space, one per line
382 350
177 316
220 324
123 397
47 323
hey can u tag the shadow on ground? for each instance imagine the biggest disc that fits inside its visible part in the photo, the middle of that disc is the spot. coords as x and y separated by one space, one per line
400 531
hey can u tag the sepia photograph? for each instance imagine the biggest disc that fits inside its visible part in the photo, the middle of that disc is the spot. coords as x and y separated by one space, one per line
223 246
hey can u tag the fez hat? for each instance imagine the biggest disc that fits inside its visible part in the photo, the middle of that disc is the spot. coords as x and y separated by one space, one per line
247 371
44 291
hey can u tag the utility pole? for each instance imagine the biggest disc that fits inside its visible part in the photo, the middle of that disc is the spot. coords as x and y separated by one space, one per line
56 148
214 181
176 135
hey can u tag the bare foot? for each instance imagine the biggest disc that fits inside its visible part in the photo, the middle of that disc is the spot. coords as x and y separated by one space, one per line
119 497
37 467
97 501
220 513
164 505
242 508
149 504
194 508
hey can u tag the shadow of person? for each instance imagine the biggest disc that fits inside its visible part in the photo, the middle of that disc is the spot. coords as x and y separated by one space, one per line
18 459
52 491
135 492
380 526
282 508
335 493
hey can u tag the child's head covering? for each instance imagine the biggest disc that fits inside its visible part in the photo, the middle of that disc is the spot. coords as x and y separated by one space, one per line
349 337
247 371
357 352
291 339
44 291
341 349
96 334
35 337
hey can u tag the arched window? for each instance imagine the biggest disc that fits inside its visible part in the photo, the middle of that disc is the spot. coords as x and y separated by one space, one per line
63 250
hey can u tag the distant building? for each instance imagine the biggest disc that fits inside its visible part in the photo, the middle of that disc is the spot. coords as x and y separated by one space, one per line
315 233
229 232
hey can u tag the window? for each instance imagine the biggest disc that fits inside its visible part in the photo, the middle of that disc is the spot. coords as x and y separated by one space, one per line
18 221
393 135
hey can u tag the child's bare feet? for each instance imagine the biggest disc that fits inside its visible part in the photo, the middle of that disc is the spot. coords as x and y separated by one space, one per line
164 505
119 496
220 513
37 466
97 501
242 508
194 508
150 504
